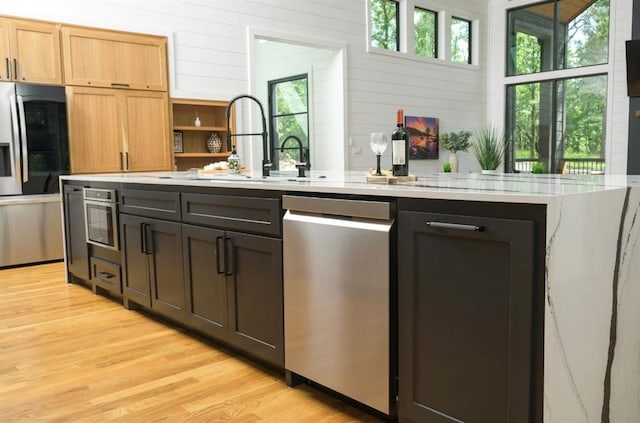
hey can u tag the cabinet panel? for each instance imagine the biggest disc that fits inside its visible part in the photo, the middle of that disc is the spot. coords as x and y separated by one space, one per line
135 268
206 290
147 139
106 275
103 58
165 267
251 214
117 130
255 297
94 130
151 203
75 232
465 324
30 51
36 51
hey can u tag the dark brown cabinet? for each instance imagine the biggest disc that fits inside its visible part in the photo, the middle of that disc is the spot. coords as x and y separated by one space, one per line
151 238
234 279
466 295
75 232
152 265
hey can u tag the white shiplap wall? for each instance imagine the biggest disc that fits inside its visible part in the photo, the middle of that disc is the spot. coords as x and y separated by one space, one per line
209 58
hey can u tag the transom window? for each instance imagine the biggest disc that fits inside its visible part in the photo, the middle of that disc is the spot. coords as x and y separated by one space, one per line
425 28
385 23
460 40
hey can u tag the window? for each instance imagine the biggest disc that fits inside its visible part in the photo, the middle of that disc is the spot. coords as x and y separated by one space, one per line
289 115
460 40
425 26
560 121
385 23
568 35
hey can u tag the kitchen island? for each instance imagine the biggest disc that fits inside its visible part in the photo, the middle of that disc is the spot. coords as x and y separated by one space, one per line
582 344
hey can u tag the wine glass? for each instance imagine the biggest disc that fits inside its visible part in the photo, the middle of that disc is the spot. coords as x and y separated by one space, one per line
379 142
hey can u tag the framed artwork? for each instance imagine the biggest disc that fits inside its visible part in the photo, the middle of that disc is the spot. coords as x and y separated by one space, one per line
423 137
177 142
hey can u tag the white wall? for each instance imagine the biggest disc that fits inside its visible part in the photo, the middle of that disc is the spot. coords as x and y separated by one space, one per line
209 57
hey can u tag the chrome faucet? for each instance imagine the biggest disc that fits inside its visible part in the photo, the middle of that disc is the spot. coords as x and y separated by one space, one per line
304 161
266 162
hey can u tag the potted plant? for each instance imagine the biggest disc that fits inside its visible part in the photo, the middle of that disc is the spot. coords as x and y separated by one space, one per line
488 147
446 167
454 142
537 167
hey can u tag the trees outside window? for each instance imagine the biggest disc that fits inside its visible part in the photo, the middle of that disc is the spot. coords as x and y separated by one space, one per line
425 25
289 115
559 121
460 40
385 24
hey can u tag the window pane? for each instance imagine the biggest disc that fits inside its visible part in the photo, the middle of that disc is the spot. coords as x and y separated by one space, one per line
581 114
291 97
460 40
579 30
586 33
568 135
426 30
288 109
384 24
530 39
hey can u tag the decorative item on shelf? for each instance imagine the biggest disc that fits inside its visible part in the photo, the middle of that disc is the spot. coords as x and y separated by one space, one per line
197 122
214 143
454 142
177 142
446 167
489 147
234 163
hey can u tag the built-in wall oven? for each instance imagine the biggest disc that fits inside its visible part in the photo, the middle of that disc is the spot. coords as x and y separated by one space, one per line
101 217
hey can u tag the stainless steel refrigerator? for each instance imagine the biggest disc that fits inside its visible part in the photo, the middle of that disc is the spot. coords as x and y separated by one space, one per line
33 154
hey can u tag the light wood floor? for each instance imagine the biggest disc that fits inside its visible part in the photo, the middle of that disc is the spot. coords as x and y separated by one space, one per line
67 355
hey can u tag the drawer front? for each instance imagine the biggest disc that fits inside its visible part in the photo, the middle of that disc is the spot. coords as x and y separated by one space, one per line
246 214
106 274
157 204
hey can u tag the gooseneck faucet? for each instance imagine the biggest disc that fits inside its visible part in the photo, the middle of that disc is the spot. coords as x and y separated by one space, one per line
303 161
266 162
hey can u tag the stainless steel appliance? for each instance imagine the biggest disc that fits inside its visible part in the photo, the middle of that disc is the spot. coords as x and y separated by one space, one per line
101 217
33 154
337 296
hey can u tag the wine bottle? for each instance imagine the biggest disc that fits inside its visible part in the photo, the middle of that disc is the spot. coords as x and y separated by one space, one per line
400 147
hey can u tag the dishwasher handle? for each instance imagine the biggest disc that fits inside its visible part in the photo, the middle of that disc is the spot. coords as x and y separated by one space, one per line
365 209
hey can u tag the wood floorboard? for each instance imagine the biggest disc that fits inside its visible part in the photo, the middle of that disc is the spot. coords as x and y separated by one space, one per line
68 355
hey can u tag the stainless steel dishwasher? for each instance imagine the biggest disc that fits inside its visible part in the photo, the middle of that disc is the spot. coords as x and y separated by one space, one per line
337 296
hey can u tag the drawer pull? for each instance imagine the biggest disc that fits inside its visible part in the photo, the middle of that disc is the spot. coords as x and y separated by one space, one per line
458 226
106 275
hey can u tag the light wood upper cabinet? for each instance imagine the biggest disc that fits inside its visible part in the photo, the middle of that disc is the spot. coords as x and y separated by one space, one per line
103 58
114 130
30 51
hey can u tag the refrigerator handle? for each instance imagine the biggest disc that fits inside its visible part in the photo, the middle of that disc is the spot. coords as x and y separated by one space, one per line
16 137
23 138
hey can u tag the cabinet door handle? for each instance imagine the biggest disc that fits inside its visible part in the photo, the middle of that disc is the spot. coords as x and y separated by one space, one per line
126 160
143 238
458 226
106 275
121 160
148 234
15 68
230 253
116 84
219 270
6 62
